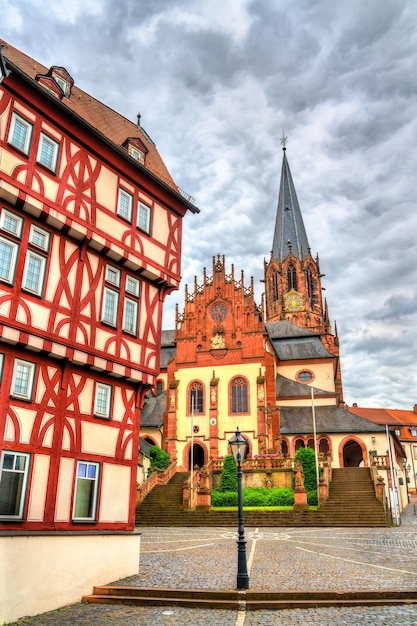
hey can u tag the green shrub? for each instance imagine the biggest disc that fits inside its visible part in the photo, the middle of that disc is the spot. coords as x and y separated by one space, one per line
159 458
308 461
280 497
312 498
228 478
223 498
255 496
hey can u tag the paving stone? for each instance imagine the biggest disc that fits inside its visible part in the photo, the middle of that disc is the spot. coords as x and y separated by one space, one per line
306 559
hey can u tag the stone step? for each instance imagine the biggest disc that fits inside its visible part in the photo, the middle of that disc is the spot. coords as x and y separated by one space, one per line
251 600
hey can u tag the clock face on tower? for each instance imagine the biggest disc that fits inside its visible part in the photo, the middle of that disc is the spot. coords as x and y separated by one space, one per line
293 301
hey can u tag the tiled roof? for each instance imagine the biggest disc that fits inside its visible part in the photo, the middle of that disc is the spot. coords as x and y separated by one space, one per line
329 419
102 118
392 417
283 329
292 349
287 388
152 413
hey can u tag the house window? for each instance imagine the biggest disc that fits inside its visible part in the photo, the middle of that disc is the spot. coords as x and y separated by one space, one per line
196 398
23 377
132 286
34 272
113 275
20 133
125 205
11 223
47 152
413 431
144 217
130 316
239 390
39 237
110 307
86 489
8 256
136 154
13 480
102 401
62 83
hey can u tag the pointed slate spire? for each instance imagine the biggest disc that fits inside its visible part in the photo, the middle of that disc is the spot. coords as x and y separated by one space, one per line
289 225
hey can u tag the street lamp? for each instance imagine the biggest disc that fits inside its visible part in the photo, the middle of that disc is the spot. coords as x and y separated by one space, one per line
239 447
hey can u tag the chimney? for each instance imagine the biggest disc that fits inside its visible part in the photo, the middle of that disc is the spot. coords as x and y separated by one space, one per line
415 409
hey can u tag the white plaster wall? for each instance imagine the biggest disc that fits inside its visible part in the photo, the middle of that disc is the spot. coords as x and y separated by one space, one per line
43 573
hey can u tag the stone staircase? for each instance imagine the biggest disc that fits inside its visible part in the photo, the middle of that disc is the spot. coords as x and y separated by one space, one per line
352 502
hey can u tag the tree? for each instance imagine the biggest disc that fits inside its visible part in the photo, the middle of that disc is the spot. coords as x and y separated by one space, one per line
159 458
228 478
308 461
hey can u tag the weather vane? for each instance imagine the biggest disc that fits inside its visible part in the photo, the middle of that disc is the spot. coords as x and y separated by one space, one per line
284 140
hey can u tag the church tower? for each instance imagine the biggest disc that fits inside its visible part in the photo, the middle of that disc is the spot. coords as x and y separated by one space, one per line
293 290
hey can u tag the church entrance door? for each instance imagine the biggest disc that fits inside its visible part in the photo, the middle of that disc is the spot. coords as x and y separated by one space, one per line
352 454
198 456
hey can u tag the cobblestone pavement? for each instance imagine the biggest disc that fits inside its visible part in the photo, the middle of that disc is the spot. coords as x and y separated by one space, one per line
279 559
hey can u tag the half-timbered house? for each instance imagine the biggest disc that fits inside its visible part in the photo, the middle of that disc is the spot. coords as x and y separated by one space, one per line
90 245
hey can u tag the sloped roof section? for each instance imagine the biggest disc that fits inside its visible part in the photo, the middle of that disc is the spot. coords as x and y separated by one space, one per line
168 348
289 225
391 417
282 329
106 121
300 348
329 419
287 388
153 411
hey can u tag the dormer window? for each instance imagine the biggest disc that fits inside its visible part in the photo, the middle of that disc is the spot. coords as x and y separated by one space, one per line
57 81
413 431
136 149
63 84
136 153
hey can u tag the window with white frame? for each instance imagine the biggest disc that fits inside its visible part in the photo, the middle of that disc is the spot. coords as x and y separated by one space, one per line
86 490
22 381
102 401
34 272
132 286
130 316
62 83
39 237
144 217
125 205
113 275
110 306
8 256
48 152
14 471
136 153
20 133
11 223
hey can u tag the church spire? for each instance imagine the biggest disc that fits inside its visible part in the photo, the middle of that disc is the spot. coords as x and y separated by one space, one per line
289 226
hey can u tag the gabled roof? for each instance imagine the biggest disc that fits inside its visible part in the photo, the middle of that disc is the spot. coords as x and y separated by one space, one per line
391 417
110 124
153 411
329 419
289 225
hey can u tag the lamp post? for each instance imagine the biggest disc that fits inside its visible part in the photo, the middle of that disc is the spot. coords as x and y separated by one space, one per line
239 447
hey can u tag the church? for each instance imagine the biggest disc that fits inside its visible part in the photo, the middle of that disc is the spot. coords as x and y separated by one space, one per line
270 368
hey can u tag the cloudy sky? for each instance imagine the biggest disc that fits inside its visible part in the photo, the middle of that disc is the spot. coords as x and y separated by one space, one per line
216 81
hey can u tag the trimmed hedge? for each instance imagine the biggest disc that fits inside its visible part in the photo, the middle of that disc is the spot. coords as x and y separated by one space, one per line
254 496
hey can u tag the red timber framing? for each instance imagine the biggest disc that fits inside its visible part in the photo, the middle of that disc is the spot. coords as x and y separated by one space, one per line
90 245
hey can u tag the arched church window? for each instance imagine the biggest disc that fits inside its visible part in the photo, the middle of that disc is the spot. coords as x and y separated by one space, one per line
324 448
299 443
195 398
239 395
311 287
274 286
310 443
292 278
159 387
